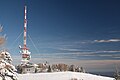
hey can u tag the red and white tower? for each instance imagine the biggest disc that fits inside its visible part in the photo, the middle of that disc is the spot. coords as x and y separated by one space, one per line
24 50
25 27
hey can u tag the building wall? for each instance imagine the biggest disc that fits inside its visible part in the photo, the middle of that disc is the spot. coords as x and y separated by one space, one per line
28 70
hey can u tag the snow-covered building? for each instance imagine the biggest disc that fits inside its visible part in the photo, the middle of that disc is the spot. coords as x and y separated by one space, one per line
29 68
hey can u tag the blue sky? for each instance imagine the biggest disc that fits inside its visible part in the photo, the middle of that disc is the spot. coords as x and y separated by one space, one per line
69 30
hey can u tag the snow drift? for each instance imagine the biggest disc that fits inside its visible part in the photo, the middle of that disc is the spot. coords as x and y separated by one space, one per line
62 76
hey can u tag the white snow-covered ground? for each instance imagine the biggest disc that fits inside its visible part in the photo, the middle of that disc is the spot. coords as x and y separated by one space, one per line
62 76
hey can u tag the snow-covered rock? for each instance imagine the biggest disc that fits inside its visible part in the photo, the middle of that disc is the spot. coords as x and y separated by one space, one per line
62 76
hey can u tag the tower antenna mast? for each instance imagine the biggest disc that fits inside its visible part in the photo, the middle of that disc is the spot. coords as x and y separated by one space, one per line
24 50
25 27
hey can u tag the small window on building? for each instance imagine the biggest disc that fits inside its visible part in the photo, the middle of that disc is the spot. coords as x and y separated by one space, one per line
28 69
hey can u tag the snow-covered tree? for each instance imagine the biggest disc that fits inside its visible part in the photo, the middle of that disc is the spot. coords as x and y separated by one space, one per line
6 67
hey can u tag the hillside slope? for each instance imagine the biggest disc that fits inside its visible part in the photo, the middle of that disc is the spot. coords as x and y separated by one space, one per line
62 76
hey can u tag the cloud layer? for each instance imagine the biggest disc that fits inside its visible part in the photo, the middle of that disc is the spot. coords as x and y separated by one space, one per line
109 40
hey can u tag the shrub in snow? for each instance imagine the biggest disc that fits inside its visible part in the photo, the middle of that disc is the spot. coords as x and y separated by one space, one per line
49 69
74 79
